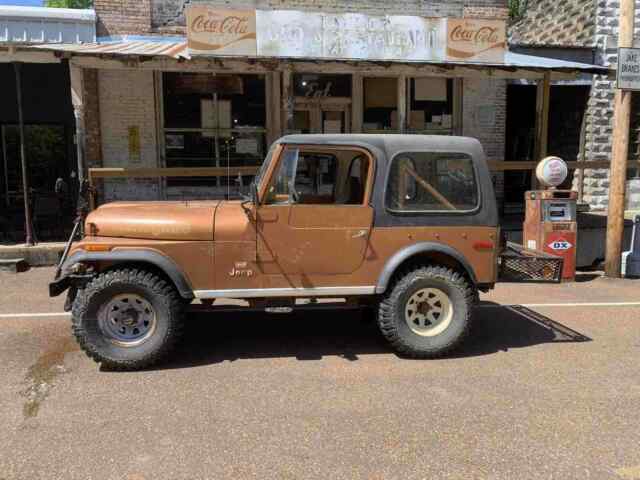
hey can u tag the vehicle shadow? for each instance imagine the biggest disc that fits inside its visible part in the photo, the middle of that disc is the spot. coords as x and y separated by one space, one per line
347 334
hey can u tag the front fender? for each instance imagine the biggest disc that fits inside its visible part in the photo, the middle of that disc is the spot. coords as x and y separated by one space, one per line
419 248
164 263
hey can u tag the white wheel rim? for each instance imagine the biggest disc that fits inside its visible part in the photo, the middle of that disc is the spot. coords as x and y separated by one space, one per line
127 320
428 312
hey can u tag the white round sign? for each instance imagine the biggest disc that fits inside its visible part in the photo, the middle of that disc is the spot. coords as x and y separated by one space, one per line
552 171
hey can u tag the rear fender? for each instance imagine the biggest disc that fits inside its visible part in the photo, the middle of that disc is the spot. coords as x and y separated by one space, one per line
417 249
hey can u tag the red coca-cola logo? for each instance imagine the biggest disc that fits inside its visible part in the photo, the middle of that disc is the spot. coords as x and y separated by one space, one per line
483 35
233 25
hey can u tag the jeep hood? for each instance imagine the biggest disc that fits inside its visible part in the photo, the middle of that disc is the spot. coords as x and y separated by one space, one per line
154 220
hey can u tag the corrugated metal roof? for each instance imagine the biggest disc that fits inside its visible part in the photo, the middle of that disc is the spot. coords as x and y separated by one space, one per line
51 25
135 48
178 49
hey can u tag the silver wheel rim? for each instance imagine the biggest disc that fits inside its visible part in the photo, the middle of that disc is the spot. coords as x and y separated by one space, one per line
428 312
127 320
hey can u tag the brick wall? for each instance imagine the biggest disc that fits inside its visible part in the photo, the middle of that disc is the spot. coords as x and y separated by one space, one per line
119 17
93 145
476 11
484 117
553 22
127 100
170 13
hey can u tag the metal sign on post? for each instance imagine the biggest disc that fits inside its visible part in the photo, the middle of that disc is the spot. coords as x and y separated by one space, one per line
628 74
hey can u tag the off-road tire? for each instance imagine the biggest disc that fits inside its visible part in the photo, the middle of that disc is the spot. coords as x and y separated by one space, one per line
391 312
165 300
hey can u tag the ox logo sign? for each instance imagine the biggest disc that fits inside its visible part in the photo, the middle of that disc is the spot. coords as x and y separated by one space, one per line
560 244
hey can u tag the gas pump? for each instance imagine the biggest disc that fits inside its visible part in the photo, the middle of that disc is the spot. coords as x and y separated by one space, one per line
550 220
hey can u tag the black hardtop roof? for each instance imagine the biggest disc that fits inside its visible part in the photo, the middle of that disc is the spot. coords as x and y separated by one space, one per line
393 143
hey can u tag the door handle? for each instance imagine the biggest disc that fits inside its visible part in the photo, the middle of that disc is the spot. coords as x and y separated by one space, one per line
359 234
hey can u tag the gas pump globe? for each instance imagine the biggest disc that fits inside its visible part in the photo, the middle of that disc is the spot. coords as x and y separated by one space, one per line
550 219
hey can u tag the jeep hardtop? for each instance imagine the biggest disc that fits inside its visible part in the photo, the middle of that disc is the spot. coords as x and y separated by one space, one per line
404 223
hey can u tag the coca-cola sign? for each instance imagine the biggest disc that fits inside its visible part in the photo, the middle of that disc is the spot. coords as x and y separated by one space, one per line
221 32
476 39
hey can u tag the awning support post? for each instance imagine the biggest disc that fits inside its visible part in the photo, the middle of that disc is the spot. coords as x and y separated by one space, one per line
543 93
23 160
620 153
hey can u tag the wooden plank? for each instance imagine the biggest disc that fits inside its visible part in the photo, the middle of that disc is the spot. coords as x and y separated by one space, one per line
357 105
402 103
429 188
95 173
620 151
238 66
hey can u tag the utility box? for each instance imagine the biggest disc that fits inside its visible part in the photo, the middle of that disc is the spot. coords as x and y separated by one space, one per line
550 226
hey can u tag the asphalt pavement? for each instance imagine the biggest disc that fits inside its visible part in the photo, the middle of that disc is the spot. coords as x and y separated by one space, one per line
548 386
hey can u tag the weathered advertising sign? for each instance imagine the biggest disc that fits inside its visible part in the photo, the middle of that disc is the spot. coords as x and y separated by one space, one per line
629 68
221 32
290 33
349 36
476 40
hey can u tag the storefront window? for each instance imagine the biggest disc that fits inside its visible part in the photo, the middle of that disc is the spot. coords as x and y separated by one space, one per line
321 85
213 121
322 103
380 111
431 105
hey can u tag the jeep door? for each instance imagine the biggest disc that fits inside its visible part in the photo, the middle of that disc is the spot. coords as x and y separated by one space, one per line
315 217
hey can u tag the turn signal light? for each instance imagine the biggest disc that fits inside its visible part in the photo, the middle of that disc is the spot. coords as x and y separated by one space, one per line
483 246
96 247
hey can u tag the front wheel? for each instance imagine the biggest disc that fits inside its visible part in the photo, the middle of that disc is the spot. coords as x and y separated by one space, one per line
427 313
127 319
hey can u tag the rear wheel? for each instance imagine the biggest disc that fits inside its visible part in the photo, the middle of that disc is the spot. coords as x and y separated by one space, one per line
127 319
427 312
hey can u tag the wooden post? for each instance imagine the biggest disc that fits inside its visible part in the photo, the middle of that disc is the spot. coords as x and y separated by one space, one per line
581 156
23 160
357 102
287 100
619 157
76 80
274 112
542 122
402 103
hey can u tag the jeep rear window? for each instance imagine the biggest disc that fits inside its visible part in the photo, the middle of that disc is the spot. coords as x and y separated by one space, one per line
431 182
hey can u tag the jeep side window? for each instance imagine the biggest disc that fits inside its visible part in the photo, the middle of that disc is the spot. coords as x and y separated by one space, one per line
431 182
319 178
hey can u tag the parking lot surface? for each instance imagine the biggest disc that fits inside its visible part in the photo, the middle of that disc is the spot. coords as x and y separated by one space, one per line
548 386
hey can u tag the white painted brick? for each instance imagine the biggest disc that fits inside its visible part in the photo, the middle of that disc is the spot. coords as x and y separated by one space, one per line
126 100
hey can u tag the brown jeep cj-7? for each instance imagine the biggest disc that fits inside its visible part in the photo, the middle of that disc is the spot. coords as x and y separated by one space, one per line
405 223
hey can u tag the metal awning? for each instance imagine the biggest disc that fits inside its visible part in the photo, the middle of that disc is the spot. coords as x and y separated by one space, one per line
176 48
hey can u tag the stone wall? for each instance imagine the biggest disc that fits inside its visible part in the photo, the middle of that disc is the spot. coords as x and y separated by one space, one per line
553 22
127 100
600 112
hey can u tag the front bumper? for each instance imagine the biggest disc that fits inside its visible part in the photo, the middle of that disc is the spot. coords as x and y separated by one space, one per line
59 286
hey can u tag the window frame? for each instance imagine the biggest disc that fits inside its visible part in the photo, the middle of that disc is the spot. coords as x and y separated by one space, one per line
476 178
321 149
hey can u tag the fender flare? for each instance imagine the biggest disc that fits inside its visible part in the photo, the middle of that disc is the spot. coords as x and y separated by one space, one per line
156 259
423 247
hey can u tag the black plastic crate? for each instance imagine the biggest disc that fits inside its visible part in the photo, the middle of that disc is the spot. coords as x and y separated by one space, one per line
519 264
